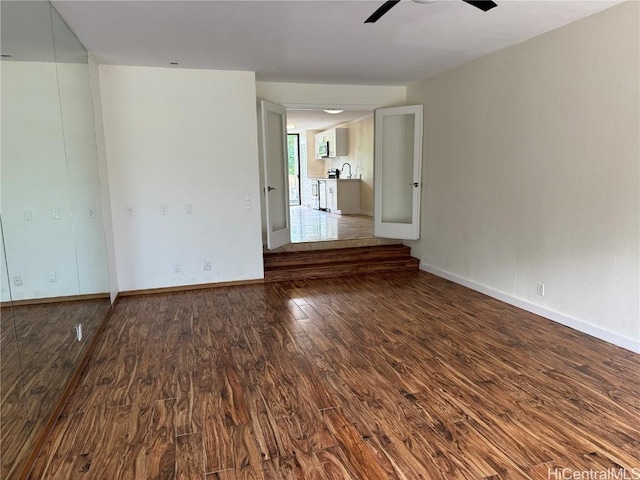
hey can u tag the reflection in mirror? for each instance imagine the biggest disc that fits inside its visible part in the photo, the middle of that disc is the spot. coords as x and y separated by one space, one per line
51 215
16 427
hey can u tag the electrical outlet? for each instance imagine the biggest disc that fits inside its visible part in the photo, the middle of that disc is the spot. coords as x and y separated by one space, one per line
27 216
248 205
129 211
164 210
17 281
78 329
92 213
207 266
541 289
53 277
188 209
177 268
247 196
55 213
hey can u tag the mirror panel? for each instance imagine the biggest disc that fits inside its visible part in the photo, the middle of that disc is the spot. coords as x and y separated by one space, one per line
52 218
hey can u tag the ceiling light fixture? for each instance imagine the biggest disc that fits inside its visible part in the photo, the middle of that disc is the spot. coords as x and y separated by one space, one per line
333 111
290 127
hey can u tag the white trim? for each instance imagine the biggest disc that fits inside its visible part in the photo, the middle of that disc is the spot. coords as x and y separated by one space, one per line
349 107
575 323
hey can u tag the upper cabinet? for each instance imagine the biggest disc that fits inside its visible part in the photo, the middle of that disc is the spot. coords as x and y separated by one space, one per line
338 139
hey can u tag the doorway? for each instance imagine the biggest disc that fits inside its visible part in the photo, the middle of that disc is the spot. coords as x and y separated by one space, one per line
293 155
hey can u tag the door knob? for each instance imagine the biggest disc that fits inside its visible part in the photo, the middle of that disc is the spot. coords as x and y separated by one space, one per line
270 188
415 184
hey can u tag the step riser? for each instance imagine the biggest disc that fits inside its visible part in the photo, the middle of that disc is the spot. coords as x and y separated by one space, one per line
328 271
331 256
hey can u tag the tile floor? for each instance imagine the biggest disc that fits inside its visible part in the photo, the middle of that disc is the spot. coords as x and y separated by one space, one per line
309 225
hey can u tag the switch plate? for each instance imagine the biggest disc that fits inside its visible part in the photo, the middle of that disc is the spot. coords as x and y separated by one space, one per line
27 216
55 213
541 289
164 210
177 268
92 212
130 211
53 277
17 281
207 266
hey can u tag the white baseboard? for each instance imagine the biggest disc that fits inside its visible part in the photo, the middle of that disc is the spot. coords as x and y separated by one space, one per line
575 323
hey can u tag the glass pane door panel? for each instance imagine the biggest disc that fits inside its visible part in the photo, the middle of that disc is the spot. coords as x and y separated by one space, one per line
397 168
276 175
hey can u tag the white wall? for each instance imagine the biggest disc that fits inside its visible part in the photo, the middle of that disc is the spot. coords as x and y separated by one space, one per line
175 137
83 178
330 95
104 178
531 174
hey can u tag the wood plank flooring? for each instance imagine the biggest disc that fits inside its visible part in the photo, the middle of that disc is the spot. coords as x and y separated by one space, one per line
384 376
39 356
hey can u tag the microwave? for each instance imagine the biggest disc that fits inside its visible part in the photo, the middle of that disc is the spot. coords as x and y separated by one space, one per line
323 149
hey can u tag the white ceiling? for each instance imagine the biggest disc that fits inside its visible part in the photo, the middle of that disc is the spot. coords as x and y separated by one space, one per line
317 41
320 120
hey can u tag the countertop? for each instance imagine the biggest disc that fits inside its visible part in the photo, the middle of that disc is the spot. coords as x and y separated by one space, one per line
341 179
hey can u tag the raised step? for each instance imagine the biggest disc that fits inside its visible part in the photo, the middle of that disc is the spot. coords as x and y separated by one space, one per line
332 244
312 257
338 262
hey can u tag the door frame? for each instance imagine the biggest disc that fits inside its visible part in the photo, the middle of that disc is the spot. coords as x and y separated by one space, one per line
281 237
401 231
298 169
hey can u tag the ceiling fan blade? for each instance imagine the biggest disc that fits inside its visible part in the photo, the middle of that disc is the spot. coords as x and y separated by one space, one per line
483 5
384 8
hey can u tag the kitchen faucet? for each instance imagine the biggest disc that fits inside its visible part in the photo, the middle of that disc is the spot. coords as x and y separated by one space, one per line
349 169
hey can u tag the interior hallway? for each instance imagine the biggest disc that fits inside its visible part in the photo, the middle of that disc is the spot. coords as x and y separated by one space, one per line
365 377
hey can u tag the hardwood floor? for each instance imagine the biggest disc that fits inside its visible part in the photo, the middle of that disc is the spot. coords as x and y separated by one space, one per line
39 356
385 376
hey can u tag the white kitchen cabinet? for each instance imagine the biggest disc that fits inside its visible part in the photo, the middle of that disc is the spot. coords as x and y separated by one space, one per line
338 139
343 196
338 142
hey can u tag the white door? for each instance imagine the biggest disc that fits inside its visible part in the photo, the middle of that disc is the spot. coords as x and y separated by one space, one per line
397 169
276 171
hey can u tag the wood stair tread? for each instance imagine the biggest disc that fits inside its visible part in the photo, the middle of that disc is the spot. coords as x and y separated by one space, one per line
339 254
331 264
338 262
